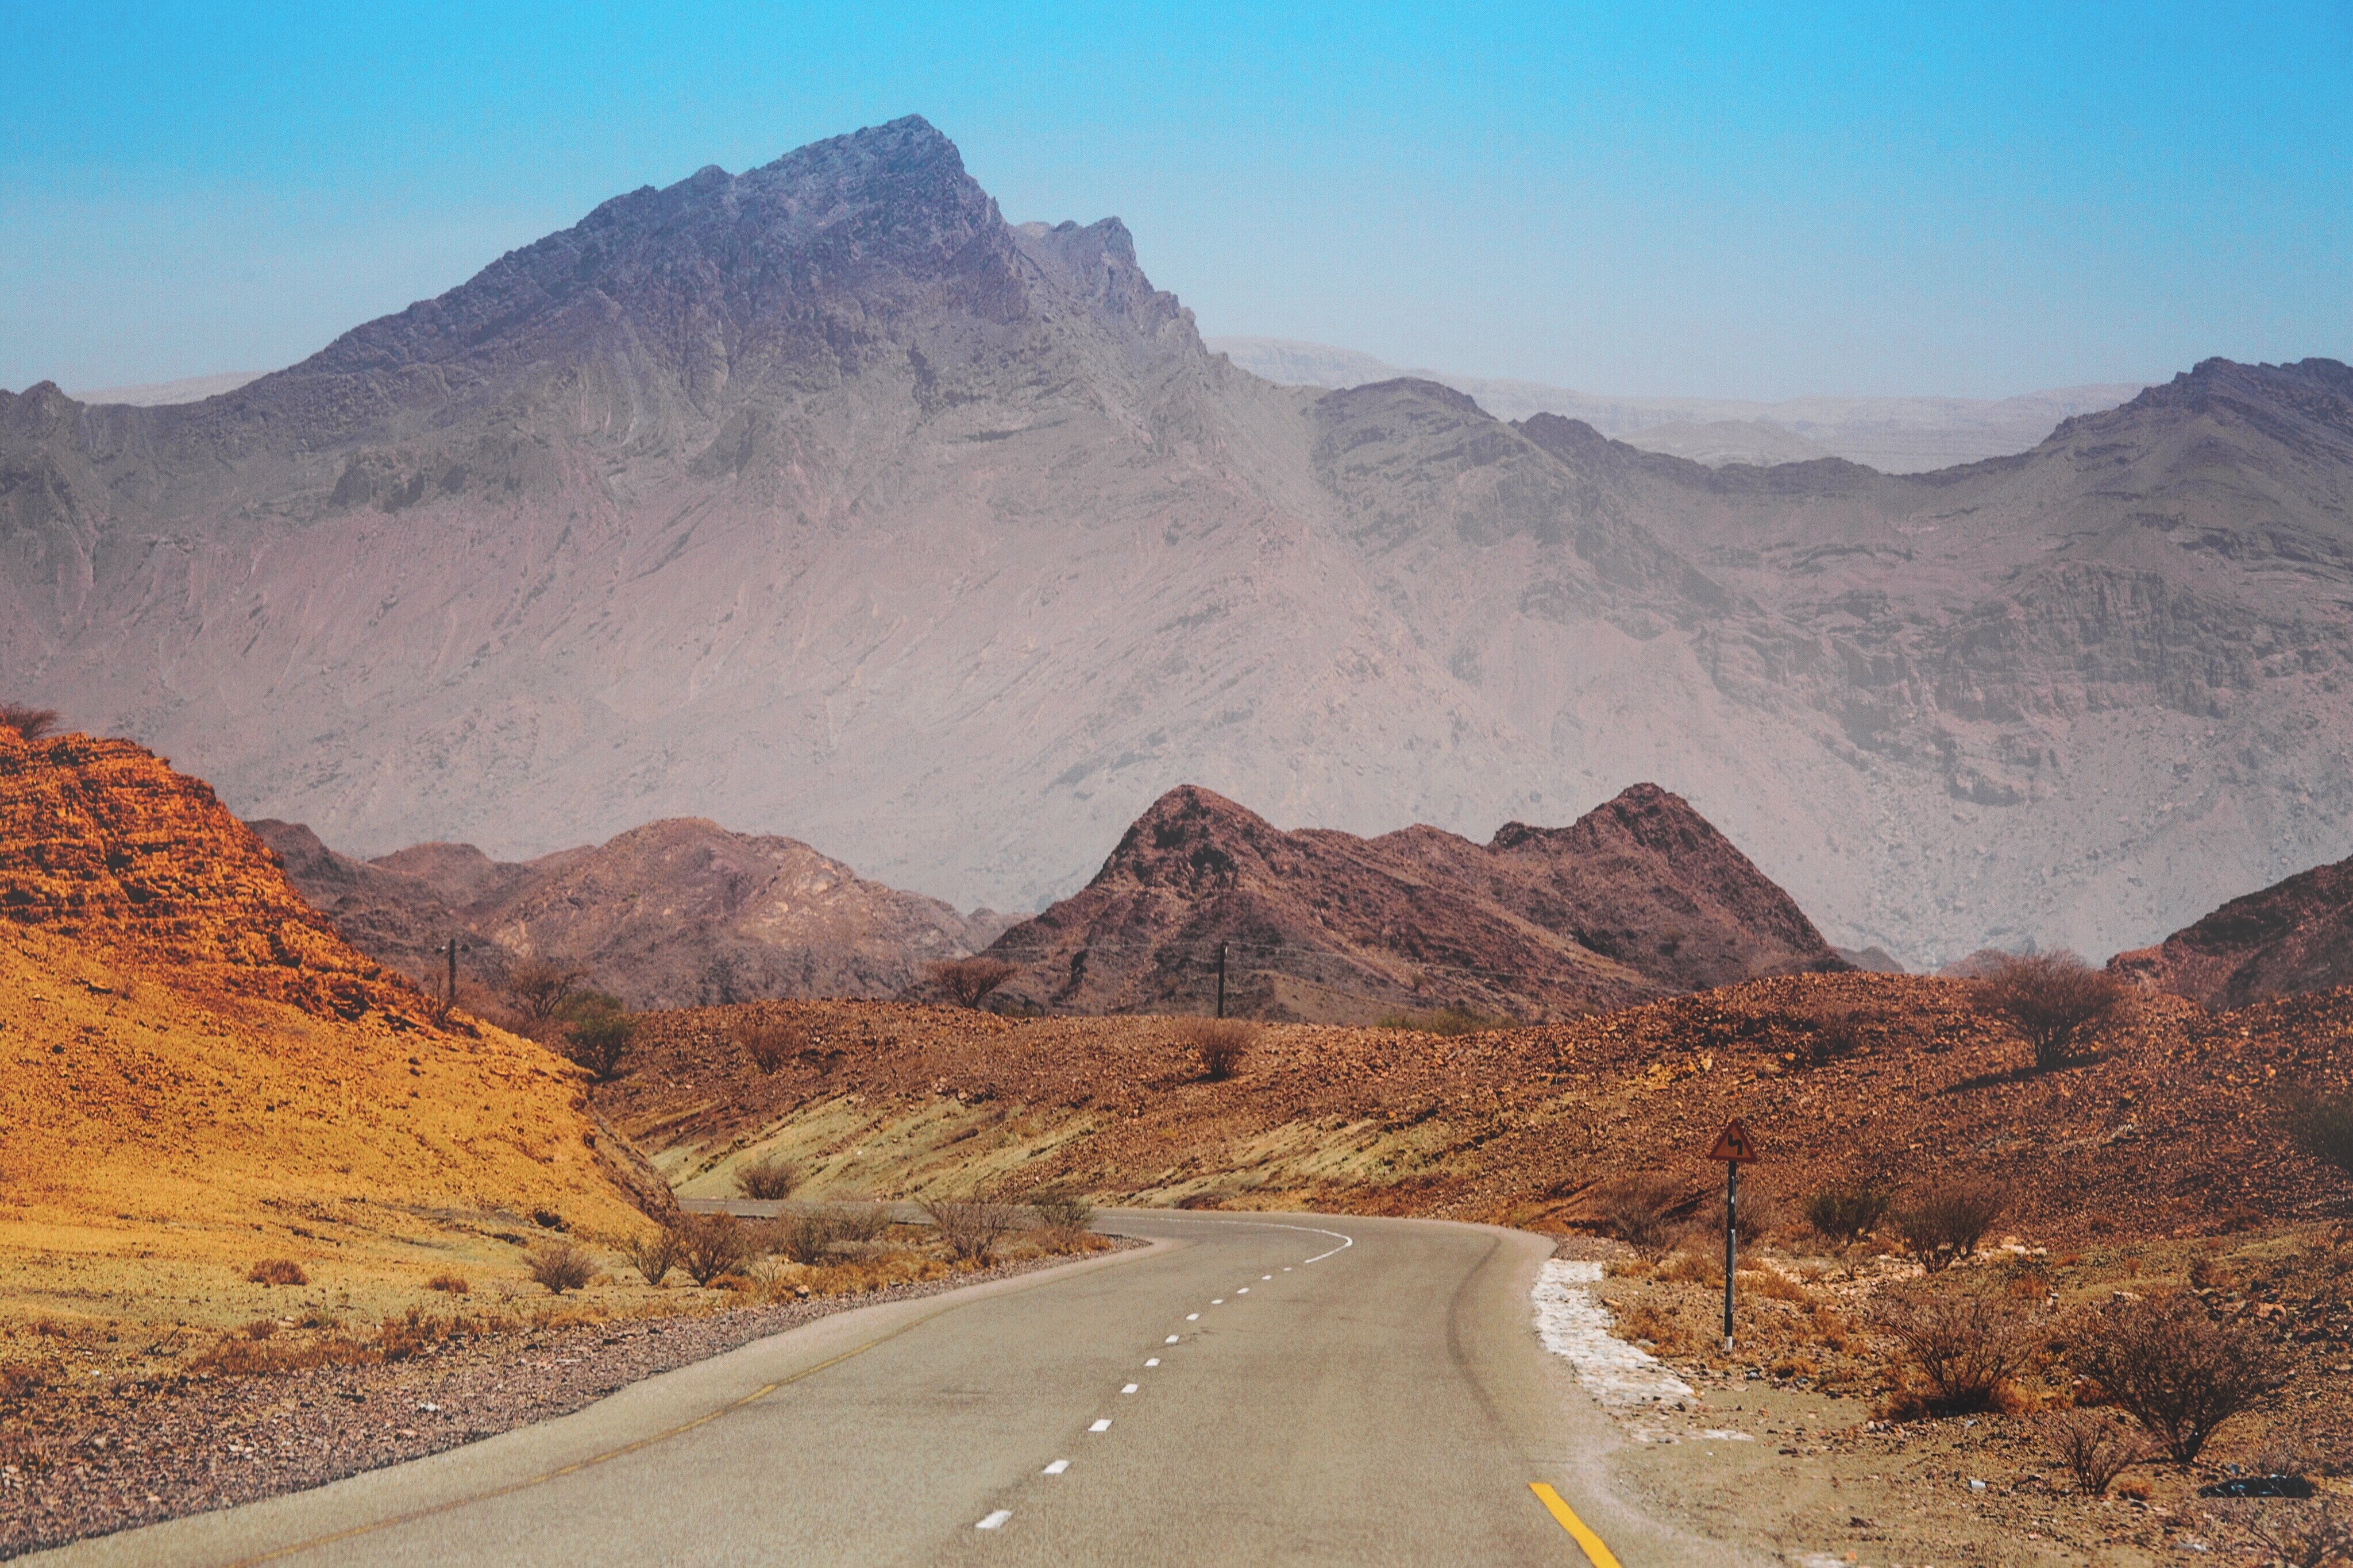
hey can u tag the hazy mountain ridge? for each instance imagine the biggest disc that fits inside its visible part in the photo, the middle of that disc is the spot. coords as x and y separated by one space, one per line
820 495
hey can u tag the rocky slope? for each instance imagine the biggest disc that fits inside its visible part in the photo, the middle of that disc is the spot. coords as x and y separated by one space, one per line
2293 936
203 1073
1638 899
671 914
819 495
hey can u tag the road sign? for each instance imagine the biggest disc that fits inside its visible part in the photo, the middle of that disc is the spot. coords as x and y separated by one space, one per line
1732 1144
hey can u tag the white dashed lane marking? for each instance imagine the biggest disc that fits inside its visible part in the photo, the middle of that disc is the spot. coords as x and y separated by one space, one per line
1058 1466
1152 1360
1101 1425
1243 1291
1131 1388
1192 1317
1172 1339
994 1520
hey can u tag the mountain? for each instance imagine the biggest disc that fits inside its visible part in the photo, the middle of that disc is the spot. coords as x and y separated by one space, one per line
1893 434
205 1072
2293 936
820 496
1640 897
152 394
675 913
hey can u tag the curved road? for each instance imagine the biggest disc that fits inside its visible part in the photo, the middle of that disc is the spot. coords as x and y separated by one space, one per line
1257 1389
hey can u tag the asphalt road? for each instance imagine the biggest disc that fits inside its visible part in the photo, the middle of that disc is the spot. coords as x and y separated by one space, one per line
1252 1389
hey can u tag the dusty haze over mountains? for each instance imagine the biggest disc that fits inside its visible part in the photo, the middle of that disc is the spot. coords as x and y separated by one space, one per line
821 501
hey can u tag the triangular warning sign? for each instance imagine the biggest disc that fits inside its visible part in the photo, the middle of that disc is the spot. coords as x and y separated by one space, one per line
1732 1144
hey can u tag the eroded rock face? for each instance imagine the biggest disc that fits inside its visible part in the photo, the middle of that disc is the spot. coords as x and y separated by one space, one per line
2293 936
1640 898
675 913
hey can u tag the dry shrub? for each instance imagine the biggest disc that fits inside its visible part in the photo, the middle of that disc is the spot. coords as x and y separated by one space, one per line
2322 1126
1942 1224
863 1222
770 1043
2181 1373
971 1227
1847 1211
1060 1238
1219 1044
1838 1029
450 1284
1961 1347
276 1271
804 1237
970 980
2316 1534
2056 999
1661 1326
2094 1448
1775 1286
710 1245
1639 1206
1061 1211
1691 1265
29 723
561 1266
769 1177
653 1254
1757 1215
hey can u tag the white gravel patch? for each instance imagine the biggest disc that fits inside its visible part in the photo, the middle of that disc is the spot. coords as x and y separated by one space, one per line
1573 1323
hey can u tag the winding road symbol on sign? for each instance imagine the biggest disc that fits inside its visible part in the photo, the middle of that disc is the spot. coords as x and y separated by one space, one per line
1732 1144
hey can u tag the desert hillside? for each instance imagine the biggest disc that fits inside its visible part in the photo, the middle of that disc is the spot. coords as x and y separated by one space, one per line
2171 1122
670 914
2293 936
1640 897
203 1076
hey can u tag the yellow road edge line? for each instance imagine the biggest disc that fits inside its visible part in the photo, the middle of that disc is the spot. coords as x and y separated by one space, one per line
625 1449
1596 1552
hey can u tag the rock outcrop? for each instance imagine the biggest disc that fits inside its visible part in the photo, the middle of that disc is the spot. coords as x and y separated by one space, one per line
1638 898
2293 936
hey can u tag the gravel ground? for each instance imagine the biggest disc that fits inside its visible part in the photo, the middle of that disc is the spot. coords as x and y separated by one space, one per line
85 1464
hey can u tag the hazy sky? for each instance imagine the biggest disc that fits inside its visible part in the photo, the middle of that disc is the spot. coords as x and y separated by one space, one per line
1641 199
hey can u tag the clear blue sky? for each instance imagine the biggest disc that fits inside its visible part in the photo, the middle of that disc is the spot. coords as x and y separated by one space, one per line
1641 199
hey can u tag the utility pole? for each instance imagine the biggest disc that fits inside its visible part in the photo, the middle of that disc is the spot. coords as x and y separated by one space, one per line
449 996
1221 980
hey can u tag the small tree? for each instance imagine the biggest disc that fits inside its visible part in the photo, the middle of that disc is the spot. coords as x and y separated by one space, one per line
769 1177
29 723
2056 999
653 1254
599 1039
562 1266
2094 1448
1847 1211
969 980
806 1237
2179 1373
539 987
2322 1126
1942 1224
1639 1206
1220 1044
1963 1345
971 1227
1066 1211
710 1245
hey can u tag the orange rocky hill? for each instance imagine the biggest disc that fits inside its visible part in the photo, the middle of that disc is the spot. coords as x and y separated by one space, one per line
2293 936
202 1074
2170 1125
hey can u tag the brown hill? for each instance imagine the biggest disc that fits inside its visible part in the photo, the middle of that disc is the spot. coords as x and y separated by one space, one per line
671 914
2169 1126
1639 897
204 1073
2293 936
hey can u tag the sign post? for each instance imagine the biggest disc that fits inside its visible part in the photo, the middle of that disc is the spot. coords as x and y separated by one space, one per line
1733 1148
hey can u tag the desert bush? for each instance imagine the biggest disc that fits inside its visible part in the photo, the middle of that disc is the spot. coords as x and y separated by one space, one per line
2179 1373
1663 1327
970 980
2322 1126
449 1284
770 1043
2094 1448
2056 999
1942 1224
1847 1211
20 1381
653 1254
1962 1345
710 1245
1694 1263
276 1271
1837 1029
561 1266
971 1227
862 1222
1758 1215
2313 1534
1064 1211
599 1038
29 723
769 1177
1219 1044
1639 1206
539 987
260 1328
806 1237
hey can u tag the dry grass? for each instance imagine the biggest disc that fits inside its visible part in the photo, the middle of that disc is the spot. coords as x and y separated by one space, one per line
1639 1206
276 1271
450 1284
